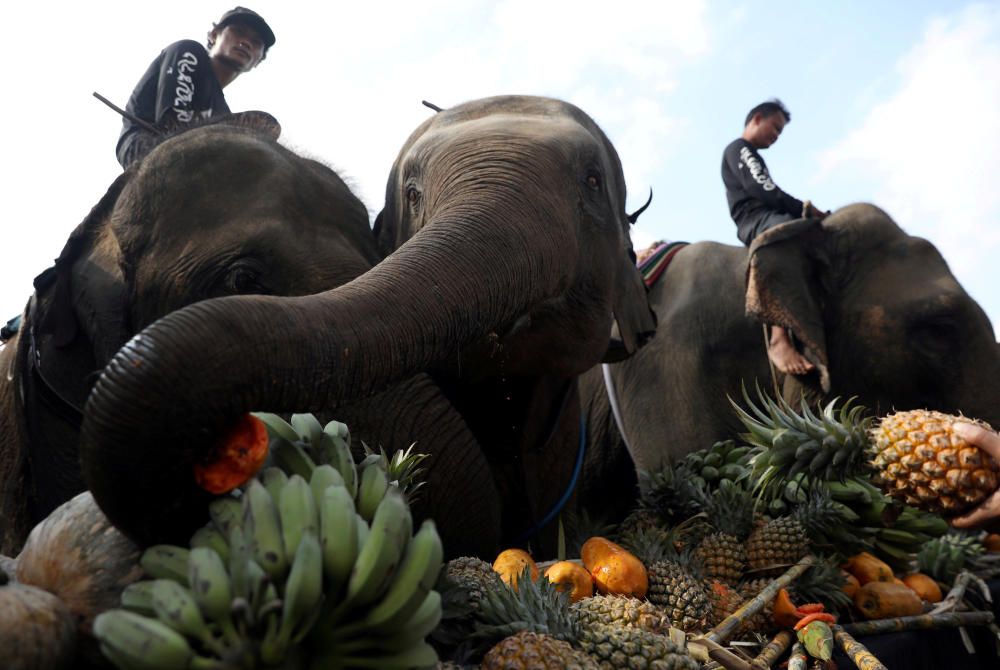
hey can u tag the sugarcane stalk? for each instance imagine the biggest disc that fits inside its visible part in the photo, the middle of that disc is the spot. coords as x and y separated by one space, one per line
799 659
857 652
728 627
773 650
709 651
955 595
919 622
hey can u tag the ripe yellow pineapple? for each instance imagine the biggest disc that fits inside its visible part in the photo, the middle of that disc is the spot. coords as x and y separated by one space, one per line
919 460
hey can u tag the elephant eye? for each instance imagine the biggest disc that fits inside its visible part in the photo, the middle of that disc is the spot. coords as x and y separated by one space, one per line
593 181
242 280
412 195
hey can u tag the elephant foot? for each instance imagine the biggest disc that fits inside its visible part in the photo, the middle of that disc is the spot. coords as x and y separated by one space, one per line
784 355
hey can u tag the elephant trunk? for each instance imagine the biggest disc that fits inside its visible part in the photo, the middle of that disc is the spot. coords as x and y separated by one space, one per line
161 402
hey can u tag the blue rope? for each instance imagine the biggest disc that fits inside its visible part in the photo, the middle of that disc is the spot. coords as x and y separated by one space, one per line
577 467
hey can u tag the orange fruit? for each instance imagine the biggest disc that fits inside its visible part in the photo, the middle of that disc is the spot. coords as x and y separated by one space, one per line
851 585
992 542
572 577
923 586
510 563
614 569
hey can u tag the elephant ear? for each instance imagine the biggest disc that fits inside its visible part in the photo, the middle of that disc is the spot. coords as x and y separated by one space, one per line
783 286
73 293
634 319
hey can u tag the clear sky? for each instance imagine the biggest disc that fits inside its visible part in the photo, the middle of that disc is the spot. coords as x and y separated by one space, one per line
893 102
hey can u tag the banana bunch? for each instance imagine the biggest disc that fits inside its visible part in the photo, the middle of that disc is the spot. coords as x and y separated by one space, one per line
722 461
316 564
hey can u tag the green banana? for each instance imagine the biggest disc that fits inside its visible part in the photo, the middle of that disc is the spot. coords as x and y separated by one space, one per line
736 454
210 537
261 514
421 655
274 479
900 537
138 598
176 606
292 458
848 492
165 561
338 535
225 513
424 620
304 589
412 580
142 642
381 552
297 511
324 476
334 449
210 583
371 490
310 430
257 585
239 554
277 427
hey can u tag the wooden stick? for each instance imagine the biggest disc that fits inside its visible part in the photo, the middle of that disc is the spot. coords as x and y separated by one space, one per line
799 660
919 622
955 595
728 627
705 650
771 652
857 652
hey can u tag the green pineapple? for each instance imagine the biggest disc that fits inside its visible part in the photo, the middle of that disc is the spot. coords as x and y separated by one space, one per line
944 557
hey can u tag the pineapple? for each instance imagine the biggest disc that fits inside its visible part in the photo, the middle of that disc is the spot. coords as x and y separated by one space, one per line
674 576
536 651
822 583
762 621
781 542
730 514
621 611
944 557
724 599
919 460
622 647
474 576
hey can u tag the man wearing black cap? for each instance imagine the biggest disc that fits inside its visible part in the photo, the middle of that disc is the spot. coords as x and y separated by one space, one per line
185 81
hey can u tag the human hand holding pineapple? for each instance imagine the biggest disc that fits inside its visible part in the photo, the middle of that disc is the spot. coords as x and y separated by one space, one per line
989 510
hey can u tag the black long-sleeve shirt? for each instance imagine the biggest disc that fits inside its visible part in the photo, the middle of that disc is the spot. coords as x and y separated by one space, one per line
177 87
752 194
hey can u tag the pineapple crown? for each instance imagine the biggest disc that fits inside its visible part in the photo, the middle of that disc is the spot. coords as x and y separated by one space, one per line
944 557
830 445
730 509
823 583
403 468
533 605
670 493
677 545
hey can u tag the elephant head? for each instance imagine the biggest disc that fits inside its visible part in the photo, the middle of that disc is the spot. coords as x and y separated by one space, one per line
216 210
510 255
880 315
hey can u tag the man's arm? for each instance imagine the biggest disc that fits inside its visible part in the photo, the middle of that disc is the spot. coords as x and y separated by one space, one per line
183 72
756 180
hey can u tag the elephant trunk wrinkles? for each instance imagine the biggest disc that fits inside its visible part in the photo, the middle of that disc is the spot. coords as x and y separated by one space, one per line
169 392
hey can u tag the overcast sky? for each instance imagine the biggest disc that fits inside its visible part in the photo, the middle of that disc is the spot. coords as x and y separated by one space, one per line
895 103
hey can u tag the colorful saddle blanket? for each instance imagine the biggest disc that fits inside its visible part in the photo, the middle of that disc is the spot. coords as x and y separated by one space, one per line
653 264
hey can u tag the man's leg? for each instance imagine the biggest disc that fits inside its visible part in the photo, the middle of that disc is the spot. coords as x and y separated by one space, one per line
782 352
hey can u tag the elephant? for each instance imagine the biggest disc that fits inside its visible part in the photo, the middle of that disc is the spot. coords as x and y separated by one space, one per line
508 263
879 313
217 210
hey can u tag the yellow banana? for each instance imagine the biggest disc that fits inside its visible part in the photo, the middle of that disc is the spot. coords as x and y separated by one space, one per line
175 605
138 641
264 527
338 535
298 513
381 552
165 561
371 489
411 581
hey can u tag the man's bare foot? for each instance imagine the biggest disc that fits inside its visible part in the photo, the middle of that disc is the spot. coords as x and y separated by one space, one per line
784 355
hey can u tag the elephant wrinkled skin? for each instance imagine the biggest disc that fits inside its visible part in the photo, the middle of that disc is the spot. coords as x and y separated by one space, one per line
217 210
509 259
880 314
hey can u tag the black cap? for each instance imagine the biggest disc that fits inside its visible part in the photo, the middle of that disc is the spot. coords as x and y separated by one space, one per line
250 18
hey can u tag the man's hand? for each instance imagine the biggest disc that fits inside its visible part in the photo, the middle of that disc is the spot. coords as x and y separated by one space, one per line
813 213
989 509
